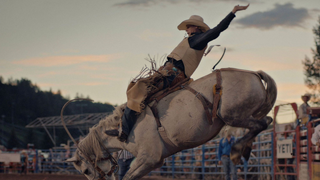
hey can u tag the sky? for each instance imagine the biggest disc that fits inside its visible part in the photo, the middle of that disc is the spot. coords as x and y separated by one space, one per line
96 47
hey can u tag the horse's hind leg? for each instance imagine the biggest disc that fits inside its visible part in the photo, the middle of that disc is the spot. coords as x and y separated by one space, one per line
243 145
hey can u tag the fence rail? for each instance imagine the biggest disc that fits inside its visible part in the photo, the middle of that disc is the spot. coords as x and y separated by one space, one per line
196 163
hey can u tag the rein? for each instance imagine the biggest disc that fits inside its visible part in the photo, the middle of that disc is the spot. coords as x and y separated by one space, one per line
224 51
102 174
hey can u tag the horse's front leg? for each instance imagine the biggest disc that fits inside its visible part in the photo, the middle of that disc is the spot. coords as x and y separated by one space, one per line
141 166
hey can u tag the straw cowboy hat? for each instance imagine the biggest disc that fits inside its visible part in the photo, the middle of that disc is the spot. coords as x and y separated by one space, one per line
196 21
306 95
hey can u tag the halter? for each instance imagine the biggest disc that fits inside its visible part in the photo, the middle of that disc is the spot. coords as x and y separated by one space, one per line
102 174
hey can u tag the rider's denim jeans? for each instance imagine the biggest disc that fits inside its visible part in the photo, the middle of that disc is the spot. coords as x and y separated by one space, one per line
124 166
228 168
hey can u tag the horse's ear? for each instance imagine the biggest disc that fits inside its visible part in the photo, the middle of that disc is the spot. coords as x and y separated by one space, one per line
73 159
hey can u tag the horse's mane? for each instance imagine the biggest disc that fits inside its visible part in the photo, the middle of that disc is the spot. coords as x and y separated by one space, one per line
90 144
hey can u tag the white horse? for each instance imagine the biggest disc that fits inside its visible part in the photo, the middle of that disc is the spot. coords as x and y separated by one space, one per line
244 103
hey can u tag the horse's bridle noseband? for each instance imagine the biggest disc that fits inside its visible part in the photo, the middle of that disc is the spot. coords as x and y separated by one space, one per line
102 174
114 167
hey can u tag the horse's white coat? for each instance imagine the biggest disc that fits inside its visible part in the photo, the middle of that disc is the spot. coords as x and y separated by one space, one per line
183 117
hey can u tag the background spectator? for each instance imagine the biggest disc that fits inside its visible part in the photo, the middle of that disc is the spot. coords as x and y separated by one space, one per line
124 162
224 155
302 111
24 162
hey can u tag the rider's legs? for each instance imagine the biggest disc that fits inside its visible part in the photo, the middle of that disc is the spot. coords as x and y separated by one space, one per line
128 120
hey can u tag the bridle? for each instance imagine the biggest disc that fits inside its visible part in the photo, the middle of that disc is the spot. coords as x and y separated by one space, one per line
102 174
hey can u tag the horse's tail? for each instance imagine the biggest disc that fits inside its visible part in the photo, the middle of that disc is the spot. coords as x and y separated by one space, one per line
271 96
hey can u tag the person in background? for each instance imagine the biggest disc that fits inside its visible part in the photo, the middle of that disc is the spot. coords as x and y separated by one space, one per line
24 162
43 163
187 166
224 155
125 159
198 164
302 111
50 160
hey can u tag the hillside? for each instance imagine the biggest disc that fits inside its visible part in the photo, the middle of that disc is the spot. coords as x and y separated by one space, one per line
21 102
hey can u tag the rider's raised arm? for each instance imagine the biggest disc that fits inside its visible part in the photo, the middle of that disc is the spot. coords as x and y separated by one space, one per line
239 8
200 40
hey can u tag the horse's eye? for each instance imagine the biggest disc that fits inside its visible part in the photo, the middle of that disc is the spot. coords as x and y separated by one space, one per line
86 172
78 163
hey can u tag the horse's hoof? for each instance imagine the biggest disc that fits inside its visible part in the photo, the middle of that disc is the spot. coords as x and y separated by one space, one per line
246 153
269 120
123 137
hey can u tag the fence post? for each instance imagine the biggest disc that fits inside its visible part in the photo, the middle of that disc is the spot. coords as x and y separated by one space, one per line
309 149
259 153
172 165
245 164
297 141
202 160
272 155
36 163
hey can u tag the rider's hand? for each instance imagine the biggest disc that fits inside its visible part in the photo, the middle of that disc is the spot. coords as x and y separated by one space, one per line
239 8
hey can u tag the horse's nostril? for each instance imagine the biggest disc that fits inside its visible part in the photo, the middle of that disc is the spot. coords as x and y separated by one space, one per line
86 172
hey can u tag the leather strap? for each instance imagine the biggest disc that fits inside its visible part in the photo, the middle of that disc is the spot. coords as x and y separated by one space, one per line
217 94
155 112
156 98
205 103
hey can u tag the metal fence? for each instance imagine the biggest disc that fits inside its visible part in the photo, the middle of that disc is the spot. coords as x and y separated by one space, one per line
196 163
202 162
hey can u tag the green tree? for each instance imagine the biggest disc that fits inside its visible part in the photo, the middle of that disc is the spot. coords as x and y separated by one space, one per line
13 140
25 101
312 67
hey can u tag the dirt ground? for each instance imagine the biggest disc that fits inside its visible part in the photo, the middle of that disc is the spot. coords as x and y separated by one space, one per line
58 177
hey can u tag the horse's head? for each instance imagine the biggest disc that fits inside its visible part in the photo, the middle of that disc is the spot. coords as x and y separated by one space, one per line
92 158
103 168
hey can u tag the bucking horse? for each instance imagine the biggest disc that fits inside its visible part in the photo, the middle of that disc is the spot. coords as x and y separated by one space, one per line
245 99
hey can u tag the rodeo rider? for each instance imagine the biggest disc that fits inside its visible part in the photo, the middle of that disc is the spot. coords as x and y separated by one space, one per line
182 61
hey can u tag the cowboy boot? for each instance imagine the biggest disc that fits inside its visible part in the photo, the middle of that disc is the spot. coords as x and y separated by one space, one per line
129 118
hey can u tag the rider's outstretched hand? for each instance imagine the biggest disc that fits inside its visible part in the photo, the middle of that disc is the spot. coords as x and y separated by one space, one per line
239 8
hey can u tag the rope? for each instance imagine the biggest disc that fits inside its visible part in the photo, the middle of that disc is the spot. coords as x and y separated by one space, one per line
224 51
64 124
112 159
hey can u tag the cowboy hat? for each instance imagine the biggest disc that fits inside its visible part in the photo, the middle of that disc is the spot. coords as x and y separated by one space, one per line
196 21
306 95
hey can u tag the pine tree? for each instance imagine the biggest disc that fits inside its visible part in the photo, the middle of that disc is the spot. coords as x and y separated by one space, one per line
312 67
13 140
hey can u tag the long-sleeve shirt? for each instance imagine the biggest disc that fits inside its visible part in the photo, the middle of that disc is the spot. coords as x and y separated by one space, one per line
200 40
316 135
125 155
225 147
303 110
